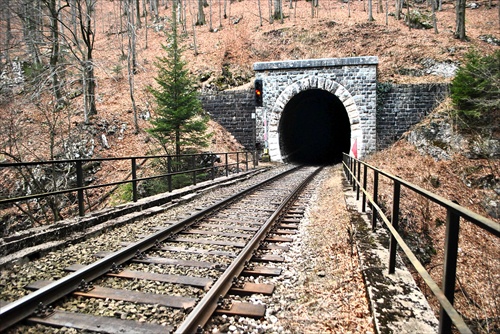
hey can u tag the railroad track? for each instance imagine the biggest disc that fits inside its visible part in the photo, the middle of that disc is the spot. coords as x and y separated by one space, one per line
196 267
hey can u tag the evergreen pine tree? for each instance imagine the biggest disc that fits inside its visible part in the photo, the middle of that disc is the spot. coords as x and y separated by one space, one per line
180 120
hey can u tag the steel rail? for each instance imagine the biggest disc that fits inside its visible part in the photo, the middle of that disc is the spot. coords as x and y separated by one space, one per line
22 308
202 312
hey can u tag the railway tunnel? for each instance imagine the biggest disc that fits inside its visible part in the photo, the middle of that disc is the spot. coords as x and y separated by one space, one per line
314 129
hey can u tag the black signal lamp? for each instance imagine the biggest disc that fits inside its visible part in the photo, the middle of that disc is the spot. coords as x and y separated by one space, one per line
258 92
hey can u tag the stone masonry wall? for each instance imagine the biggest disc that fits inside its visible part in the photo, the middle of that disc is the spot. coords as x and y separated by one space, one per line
398 106
401 106
352 80
233 110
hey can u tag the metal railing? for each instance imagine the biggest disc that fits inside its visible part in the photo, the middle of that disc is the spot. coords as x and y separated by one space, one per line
185 164
445 296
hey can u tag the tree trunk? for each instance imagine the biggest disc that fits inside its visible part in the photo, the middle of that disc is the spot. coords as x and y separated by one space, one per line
386 12
193 24
30 32
370 10
271 19
54 54
211 28
131 65
138 13
85 15
434 20
220 14
178 142
408 15
460 20
201 15
398 9
260 12
146 31
8 29
278 12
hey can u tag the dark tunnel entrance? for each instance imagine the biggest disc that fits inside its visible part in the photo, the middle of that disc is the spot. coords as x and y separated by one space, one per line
314 129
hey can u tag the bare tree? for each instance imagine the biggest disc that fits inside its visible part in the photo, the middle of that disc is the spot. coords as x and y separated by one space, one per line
54 11
278 10
138 13
370 11
386 12
6 17
260 13
81 45
131 58
211 28
399 7
271 18
29 13
193 24
201 15
434 20
460 20
314 8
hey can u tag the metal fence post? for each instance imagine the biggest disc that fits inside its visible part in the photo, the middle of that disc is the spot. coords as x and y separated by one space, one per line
395 222
353 174
449 267
79 184
134 180
227 165
375 198
351 166
169 171
358 178
344 167
237 162
363 205
193 165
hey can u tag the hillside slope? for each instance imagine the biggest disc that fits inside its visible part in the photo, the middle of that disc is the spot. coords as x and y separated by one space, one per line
225 56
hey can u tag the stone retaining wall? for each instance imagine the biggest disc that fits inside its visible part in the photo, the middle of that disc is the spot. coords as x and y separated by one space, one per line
399 107
233 110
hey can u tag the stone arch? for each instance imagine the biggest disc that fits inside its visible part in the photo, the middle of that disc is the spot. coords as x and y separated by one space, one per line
312 82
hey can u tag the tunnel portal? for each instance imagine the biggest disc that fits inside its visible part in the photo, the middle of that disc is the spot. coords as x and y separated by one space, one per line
314 129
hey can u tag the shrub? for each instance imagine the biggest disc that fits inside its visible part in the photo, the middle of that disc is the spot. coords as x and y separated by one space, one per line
475 90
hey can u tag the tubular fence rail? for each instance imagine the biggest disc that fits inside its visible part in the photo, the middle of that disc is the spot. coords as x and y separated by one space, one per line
210 164
353 168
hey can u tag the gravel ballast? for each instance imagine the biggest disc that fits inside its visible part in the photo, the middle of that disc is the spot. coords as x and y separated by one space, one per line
321 289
